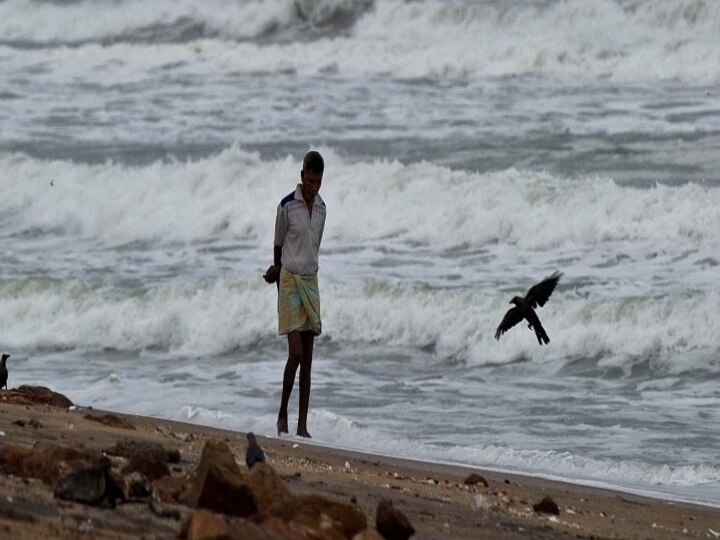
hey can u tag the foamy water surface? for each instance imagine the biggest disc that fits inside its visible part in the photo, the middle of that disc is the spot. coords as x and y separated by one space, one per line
472 148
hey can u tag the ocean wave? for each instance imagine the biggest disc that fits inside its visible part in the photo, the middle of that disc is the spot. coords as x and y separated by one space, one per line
233 196
643 40
632 337
29 23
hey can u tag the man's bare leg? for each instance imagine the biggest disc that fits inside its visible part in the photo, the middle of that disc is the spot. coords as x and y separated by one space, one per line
308 340
295 354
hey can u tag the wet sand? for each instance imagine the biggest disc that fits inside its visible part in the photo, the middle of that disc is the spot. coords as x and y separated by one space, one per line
434 497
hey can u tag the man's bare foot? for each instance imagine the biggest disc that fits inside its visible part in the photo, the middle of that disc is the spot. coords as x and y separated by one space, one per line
303 433
282 426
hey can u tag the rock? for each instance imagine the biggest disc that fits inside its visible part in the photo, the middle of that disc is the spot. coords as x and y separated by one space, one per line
110 420
20 423
266 485
23 462
171 489
135 486
92 486
151 466
367 534
475 479
242 529
277 528
547 506
131 447
391 523
319 513
218 483
28 395
206 525
46 461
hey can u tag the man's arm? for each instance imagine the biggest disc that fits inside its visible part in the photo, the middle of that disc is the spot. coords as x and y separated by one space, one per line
273 272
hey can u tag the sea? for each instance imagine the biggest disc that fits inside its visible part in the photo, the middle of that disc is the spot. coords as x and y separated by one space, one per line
471 149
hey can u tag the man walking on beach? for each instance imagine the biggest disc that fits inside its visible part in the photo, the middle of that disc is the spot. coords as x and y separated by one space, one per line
299 228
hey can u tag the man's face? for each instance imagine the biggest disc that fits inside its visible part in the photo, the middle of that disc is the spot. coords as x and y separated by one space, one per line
311 182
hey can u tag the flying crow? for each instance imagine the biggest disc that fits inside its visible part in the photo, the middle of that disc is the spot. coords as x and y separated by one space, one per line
524 308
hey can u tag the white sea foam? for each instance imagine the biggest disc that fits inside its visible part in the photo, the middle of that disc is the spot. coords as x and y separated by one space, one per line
51 22
674 333
233 196
644 40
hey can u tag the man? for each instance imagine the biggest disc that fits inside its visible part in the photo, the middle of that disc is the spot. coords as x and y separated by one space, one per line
299 228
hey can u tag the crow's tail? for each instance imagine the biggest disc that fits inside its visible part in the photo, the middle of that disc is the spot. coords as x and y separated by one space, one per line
540 333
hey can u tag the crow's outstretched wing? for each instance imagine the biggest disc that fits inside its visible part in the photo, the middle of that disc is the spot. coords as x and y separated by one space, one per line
539 294
511 318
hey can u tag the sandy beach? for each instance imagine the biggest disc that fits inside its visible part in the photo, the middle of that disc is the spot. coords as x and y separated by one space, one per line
435 498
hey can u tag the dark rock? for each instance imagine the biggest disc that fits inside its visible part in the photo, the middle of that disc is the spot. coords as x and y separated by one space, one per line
94 486
254 454
475 479
547 506
110 420
218 483
317 512
266 485
28 395
391 523
20 423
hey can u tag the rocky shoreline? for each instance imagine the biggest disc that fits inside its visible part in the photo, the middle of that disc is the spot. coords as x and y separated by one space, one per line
71 472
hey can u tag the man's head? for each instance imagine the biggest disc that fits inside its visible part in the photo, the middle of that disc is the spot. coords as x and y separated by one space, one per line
311 174
4 358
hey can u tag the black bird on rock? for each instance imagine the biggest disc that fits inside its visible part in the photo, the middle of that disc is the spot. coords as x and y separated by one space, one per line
536 296
254 453
3 371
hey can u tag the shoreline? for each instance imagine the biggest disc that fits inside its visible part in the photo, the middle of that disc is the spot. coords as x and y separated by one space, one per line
418 461
433 495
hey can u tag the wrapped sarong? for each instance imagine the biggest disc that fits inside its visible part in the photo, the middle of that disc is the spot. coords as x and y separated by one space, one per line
298 303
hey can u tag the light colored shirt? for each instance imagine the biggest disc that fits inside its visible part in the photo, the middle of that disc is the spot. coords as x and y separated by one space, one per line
299 233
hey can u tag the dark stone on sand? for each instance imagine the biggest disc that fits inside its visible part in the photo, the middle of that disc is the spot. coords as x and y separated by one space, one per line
312 510
218 484
29 395
547 506
391 523
20 423
94 486
110 420
475 479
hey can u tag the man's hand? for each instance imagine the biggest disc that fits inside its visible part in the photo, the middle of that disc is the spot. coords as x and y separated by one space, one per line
272 274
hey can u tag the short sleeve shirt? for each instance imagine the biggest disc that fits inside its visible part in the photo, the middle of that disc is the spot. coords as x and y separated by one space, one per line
299 233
